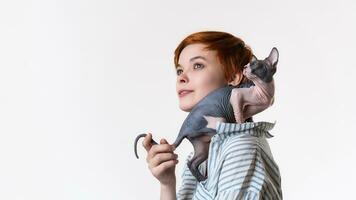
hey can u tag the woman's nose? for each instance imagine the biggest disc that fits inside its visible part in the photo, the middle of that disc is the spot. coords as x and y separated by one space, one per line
183 78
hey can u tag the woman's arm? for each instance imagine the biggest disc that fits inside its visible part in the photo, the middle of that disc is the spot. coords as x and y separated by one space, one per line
161 161
168 192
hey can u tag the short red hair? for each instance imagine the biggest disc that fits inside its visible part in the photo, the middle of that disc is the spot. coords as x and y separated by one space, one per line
232 52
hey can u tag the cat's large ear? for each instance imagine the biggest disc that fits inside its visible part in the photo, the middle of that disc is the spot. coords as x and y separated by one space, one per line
273 57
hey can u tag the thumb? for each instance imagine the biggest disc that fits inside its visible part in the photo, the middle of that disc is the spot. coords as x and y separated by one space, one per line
163 141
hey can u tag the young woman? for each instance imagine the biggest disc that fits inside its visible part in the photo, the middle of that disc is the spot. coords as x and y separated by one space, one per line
240 164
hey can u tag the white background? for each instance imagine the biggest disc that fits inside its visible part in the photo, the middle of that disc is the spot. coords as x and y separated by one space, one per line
80 79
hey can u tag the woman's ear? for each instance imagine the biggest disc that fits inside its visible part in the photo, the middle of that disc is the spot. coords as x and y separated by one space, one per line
236 79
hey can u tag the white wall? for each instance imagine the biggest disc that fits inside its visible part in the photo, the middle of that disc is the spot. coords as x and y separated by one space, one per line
80 79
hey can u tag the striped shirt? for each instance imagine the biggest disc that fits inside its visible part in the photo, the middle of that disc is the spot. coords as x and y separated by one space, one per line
240 166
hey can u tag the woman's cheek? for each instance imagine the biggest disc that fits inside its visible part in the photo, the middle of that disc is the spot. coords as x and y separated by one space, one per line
213 83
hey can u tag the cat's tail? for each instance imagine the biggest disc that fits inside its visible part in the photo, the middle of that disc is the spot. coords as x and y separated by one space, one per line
178 141
136 140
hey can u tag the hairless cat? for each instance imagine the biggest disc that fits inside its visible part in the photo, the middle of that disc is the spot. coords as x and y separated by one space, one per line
228 104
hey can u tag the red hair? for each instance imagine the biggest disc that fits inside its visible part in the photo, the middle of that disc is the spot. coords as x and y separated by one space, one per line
232 52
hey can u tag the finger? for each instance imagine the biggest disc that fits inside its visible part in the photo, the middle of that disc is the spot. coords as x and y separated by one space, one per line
159 148
164 166
147 142
161 158
164 141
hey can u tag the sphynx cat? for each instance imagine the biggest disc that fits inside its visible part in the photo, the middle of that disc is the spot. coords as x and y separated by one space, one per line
229 104
247 102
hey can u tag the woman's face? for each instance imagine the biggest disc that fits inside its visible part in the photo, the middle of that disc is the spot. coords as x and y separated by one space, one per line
199 72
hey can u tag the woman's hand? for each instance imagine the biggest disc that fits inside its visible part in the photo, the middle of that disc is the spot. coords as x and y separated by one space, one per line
161 160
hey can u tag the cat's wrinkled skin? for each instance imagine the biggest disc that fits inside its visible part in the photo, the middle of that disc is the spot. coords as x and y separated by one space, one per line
250 101
218 106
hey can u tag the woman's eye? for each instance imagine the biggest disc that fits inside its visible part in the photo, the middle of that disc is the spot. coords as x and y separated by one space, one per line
179 71
199 65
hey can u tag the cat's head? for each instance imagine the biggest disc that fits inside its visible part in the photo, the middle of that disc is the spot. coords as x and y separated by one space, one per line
263 69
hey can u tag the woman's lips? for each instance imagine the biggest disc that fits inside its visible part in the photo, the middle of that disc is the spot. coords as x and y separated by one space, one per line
185 92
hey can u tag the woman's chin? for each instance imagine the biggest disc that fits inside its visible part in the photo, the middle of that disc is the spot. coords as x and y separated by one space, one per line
186 108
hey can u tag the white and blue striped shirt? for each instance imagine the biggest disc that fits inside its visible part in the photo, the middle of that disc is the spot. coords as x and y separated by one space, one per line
240 166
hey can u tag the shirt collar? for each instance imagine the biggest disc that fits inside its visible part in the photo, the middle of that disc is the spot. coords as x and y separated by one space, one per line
257 129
